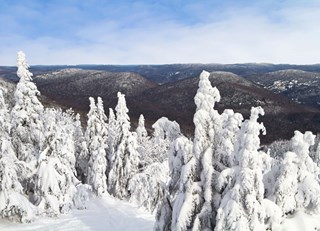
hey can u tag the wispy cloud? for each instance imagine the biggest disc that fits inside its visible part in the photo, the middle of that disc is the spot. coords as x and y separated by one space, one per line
151 32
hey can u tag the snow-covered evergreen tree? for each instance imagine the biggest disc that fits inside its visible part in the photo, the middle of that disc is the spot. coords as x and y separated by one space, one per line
13 203
224 153
126 158
164 135
241 206
297 187
193 208
147 187
55 180
141 131
103 120
5 123
81 150
180 155
145 144
27 126
95 137
112 140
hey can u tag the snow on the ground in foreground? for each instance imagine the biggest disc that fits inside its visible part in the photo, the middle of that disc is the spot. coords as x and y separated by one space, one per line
109 214
102 214
302 222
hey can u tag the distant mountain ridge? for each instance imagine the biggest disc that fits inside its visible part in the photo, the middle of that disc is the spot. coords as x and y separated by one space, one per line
168 90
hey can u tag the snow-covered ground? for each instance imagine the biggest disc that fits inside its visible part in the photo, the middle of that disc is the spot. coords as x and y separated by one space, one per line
302 222
102 214
109 214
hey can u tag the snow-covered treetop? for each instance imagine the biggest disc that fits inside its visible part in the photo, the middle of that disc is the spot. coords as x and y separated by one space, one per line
100 109
122 112
248 142
23 72
301 143
255 112
206 95
93 107
166 129
141 130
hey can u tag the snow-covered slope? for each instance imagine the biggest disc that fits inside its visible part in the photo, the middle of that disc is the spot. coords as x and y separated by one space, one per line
300 86
109 214
106 214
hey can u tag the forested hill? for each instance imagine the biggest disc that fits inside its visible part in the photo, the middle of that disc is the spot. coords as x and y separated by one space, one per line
290 96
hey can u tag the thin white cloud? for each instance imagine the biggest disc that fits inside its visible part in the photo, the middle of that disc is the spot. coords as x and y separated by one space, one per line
289 35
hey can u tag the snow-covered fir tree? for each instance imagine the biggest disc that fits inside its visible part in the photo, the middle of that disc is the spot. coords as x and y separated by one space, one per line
297 187
147 187
126 159
27 126
157 147
241 206
141 131
81 150
13 203
103 120
145 144
224 154
180 154
112 140
194 206
55 180
95 137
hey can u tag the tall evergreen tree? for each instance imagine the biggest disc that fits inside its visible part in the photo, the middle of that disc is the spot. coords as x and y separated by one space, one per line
224 154
141 130
193 206
241 206
81 150
126 158
297 187
97 164
112 140
13 203
55 180
27 126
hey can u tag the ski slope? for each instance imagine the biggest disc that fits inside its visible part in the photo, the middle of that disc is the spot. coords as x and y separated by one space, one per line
102 214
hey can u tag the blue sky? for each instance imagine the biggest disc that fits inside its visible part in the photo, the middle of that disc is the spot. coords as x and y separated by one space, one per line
159 32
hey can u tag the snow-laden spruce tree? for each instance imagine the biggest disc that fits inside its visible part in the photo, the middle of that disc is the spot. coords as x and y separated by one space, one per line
145 144
5 123
180 153
141 131
193 206
157 147
147 187
315 150
81 150
13 203
297 187
112 140
95 137
103 119
27 126
242 204
126 159
231 123
55 180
